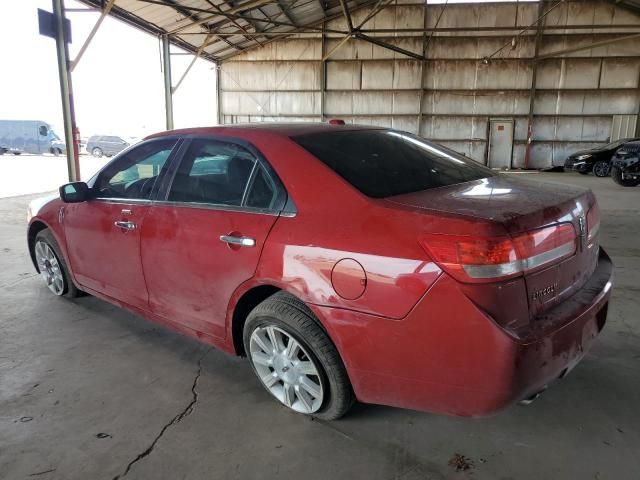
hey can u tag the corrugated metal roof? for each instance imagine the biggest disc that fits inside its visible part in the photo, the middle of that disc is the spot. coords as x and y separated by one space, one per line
223 28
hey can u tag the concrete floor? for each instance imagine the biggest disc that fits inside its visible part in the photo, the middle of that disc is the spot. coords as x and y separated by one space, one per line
89 391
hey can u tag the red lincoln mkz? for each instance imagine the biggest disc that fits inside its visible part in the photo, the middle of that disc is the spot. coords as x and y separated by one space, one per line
345 262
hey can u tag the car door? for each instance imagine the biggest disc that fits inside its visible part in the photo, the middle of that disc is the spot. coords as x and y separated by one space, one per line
103 234
204 239
110 144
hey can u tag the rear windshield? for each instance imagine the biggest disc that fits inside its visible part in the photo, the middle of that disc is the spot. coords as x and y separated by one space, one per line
384 163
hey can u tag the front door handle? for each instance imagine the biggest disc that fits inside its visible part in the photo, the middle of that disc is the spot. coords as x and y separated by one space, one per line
241 241
125 225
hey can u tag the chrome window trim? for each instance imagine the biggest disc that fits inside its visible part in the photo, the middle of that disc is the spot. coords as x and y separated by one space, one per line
220 207
202 206
249 184
139 201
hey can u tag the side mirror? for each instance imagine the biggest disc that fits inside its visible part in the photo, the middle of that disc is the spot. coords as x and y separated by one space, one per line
75 192
43 130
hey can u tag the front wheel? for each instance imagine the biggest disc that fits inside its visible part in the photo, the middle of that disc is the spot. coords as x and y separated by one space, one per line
295 360
52 266
601 169
616 174
97 152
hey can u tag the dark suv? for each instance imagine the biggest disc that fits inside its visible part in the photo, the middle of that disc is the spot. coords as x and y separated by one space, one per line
625 165
99 145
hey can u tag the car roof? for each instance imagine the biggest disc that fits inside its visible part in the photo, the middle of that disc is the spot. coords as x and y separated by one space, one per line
284 129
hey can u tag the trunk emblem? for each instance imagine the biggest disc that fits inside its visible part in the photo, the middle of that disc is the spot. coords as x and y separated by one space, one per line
545 292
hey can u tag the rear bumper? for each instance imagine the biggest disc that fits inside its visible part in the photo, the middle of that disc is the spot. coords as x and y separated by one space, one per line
447 356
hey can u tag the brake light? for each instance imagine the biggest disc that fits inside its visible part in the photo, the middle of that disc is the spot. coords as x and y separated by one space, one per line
483 259
593 222
336 121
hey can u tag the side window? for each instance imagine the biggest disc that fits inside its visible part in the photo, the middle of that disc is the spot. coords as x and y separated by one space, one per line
134 174
212 172
263 192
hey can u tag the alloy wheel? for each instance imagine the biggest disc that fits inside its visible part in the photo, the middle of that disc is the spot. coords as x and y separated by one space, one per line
49 268
286 369
601 169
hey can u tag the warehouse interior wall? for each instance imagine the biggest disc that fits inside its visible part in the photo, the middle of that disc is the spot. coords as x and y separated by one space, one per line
478 67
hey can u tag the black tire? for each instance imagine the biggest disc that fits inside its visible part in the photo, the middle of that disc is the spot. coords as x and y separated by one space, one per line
69 290
601 169
17 153
616 174
294 317
97 152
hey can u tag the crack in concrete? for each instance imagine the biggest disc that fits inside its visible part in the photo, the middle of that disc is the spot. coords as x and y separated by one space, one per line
175 420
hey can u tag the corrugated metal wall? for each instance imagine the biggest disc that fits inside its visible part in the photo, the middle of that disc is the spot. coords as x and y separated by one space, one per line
451 96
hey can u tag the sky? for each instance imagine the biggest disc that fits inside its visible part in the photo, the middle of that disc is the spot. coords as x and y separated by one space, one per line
118 84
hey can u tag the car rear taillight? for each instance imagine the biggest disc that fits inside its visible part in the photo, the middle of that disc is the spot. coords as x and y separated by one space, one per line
487 259
593 222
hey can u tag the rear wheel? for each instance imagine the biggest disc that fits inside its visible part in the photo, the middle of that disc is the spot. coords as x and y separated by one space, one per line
97 152
616 174
601 169
52 266
295 360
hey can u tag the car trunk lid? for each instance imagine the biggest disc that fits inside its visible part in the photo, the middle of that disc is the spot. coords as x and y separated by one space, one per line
520 206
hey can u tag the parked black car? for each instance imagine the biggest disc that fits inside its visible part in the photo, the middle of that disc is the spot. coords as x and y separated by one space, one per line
596 160
625 165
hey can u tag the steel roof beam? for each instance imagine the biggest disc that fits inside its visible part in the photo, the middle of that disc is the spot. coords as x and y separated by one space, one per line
92 34
251 5
347 14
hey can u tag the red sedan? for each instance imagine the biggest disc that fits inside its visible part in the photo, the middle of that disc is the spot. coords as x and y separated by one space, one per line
345 262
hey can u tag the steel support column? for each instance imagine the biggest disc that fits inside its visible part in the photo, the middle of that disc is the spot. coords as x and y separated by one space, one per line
323 73
66 93
166 70
534 79
219 94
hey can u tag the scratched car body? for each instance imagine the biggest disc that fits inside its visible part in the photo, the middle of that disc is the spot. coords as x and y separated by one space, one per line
347 263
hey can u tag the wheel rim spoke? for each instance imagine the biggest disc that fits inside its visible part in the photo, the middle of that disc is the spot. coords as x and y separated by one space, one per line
310 386
262 343
304 398
261 358
288 395
273 338
270 379
306 368
292 349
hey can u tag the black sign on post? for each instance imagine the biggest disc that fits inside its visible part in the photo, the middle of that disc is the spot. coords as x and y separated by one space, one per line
47 25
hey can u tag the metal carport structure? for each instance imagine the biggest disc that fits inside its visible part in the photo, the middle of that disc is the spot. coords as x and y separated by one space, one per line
218 30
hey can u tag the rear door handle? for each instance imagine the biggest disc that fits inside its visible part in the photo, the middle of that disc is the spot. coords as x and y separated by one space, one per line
242 241
125 225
